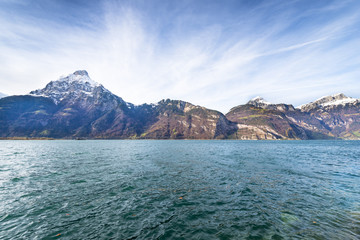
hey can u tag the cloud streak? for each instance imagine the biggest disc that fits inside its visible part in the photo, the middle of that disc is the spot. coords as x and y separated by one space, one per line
214 55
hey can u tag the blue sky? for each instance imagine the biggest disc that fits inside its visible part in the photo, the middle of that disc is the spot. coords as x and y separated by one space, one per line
218 54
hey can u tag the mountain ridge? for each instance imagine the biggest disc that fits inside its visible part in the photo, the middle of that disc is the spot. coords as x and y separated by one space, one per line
75 106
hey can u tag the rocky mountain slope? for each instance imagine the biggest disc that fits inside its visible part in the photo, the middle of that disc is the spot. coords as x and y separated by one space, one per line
330 117
178 119
339 114
77 107
270 121
330 102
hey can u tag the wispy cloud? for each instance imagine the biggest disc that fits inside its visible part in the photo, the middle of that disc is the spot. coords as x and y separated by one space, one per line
216 55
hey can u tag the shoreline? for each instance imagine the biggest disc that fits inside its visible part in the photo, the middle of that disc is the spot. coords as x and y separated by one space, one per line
182 139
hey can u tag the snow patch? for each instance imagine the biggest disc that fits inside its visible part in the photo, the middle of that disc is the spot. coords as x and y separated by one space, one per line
341 102
259 99
77 84
332 100
80 76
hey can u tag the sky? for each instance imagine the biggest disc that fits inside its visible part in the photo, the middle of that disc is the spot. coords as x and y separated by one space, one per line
218 54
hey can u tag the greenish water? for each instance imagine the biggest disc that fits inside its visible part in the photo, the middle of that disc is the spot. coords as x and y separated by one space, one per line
179 189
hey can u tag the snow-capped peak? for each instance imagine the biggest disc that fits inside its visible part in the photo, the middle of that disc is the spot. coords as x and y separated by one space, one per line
259 102
75 85
80 76
328 101
259 99
340 99
81 73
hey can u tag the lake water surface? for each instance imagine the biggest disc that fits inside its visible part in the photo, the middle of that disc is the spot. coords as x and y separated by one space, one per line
117 189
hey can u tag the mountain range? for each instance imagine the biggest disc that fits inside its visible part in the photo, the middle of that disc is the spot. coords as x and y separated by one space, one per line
76 107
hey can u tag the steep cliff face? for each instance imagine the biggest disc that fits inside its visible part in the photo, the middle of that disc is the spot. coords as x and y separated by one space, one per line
177 120
265 123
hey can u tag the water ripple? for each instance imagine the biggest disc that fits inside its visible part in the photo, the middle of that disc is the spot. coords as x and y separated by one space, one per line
179 190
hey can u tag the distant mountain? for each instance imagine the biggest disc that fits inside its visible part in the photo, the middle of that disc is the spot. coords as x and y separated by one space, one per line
77 107
270 121
336 116
339 114
330 102
2 95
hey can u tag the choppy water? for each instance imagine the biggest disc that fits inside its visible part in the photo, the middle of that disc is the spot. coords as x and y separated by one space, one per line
179 189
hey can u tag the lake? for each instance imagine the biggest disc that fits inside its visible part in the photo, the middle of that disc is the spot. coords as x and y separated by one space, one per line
159 189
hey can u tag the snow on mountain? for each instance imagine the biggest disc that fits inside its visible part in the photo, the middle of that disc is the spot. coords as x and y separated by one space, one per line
75 85
341 101
258 101
262 103
80 76
80 90
329 101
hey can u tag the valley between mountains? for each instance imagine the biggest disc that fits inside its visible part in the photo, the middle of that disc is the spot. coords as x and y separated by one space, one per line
76 107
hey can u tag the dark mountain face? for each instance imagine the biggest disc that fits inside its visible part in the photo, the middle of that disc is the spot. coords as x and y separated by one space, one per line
76 106
25 116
